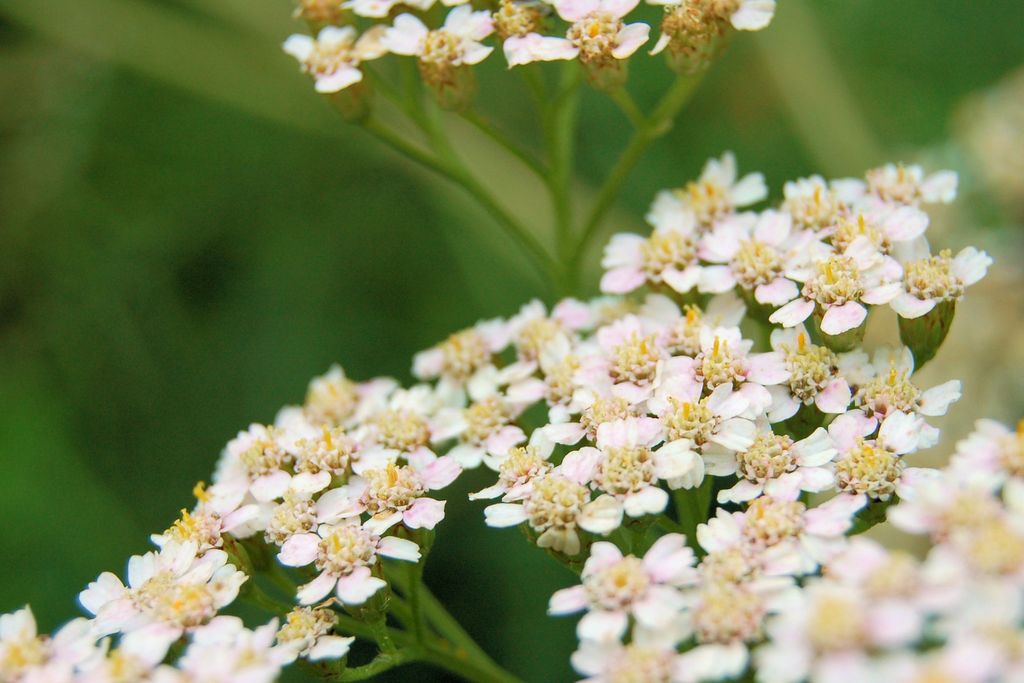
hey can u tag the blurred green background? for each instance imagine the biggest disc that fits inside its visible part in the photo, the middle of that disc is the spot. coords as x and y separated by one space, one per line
188 234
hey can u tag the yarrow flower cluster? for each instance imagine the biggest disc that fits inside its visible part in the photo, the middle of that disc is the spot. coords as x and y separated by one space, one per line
673 472
594 32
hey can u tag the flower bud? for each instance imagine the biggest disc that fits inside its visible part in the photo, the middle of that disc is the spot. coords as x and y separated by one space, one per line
840 343
321 13
693 36
925 334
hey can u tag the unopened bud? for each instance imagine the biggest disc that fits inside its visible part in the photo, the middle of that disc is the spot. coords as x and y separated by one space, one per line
515 20
924 335
321 13
840 343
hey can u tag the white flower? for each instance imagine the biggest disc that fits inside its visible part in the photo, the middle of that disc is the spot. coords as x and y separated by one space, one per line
344 554
714 195
455 43
615 587
225 651
597 30
307 631
774 465
930 280
814 377
669 255
333 58
171 590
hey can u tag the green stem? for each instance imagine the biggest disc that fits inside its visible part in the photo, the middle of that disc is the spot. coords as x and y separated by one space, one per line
279 578
415 571
560 131
628 107
535 83
487 129
457 663
254 595
381 663
447 165
655 126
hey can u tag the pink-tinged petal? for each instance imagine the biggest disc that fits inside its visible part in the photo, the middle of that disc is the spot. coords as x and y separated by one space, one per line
777 292
784 406
909 306
576 10
658 607
649 500
719 533
839 319
835 398
630 38
664 39
675 459
405 37
526 392
768 368
359 586
737 434
743 491
534 47
316 590
601 516
509 436
815 479
299 550
425 513
602 555
299 46
148 644
382 521
716 279
398 549
603 625
661 557
270 486
848 427
682 281
793 313
337 504
440 473
622 280
580 466
337 81
752 15
467 456
786 487
905 223
308 483
816 450
649 431
773 227
566 433
631 392
503 515
474 53
567 601
834 517
936 400
619 8
883 294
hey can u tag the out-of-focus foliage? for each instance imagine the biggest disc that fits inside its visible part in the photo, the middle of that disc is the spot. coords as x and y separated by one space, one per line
187 236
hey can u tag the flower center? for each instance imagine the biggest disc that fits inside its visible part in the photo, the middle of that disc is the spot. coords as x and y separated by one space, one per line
811 368
534 336
995 548
305 625
684 337
899 187
847 231
265 457
345 548
559 380
769 457
466 351
708 199
835 623
757 263
19 656
402 429
625 470
639 664
817 208
727 613
693 421
899 576
522 465
295 515
203 528
618 586
869 469
836 282
933 278
769 521
728 565
720 366
555 503
889 392
328 59
596 36
330 453
320 11
667 250
606 410
167 599
635 360
485 419
393 488
515 19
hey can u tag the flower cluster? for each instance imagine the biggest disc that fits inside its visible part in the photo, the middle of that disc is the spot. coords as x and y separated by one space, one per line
704 485
594 32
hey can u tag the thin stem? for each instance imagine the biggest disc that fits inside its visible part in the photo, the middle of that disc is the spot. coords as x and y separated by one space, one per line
487 129
254 595
415 581
659 123
535 83
560 131
628 107
382 662
458 664
447 165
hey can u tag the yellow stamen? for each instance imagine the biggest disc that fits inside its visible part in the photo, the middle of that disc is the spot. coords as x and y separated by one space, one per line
199 491
327 437
860 221
801 341
718 343
686 412
691 316
829 274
